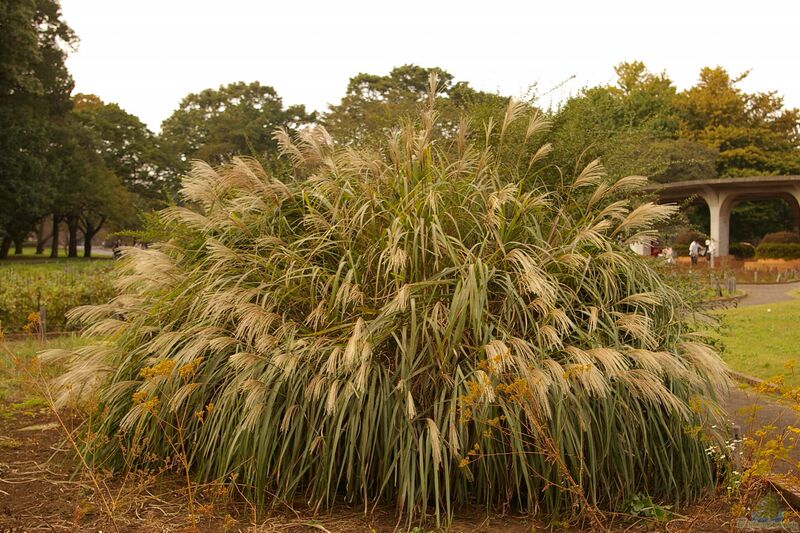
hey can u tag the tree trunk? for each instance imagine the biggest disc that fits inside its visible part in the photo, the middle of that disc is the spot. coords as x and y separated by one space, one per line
54 242
18 245
89 230
41 238
72 227
87 244
5 247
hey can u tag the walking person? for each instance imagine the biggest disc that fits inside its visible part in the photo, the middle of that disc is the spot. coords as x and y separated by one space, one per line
694 250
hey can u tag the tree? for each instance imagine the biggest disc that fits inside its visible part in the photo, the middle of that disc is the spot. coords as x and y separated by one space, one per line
239 118
129 149
34 89
632 126
374 104
753 133
88 193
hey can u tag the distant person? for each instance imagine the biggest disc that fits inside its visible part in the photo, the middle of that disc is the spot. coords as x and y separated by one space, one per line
669 255
117 249
694 251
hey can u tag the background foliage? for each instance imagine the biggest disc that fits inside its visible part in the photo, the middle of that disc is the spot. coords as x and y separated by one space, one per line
58 287
78 165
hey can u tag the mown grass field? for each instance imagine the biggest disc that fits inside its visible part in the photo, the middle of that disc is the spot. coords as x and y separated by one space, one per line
764 340
29 253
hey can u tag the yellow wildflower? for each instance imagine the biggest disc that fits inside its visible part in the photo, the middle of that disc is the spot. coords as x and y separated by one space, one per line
139 396
150 405
162 368
188 370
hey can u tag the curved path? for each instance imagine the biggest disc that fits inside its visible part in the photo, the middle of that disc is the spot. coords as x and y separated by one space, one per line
767 293
749 409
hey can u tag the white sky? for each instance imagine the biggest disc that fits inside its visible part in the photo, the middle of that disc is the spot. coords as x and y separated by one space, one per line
146 55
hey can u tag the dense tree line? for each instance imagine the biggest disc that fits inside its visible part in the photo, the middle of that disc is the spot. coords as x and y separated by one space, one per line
79 163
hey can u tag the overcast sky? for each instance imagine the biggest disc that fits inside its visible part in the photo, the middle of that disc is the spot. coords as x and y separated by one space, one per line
146 55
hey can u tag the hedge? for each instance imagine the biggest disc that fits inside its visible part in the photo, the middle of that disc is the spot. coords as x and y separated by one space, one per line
777 250
781 237
742 251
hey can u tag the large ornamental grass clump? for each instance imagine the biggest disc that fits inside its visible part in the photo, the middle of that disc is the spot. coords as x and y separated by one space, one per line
407 325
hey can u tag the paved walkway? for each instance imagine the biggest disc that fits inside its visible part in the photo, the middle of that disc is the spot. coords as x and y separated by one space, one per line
767 293
749 409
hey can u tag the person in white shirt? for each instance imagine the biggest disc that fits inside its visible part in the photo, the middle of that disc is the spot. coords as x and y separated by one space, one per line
694 249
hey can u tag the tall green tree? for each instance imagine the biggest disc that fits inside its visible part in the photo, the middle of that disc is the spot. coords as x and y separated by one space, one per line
34 91
128 148
88 194
239 118
753 132
374 104
632 126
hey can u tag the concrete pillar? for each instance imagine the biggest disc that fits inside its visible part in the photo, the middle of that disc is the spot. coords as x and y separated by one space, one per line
719 206
794 203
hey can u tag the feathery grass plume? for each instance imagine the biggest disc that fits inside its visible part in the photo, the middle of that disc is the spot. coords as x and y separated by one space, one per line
409 326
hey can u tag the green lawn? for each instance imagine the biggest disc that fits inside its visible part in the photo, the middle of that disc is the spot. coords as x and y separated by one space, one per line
29 254
764 340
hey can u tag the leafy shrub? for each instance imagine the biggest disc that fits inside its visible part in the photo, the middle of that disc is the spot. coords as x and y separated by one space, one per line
411 326
58 286
781 237
742 250
777 250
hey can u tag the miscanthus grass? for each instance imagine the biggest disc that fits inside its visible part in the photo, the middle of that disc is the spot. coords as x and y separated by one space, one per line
408 325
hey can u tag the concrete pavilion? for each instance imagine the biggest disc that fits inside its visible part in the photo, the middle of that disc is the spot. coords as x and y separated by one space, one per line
723 194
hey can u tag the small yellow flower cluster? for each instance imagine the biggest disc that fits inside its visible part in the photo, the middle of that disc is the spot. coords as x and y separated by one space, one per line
575 370
771 386
201 414
493 365
141 397
162 368
474 452
692 431
32 323
188 370
495 422
469 399
150 405
514 391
